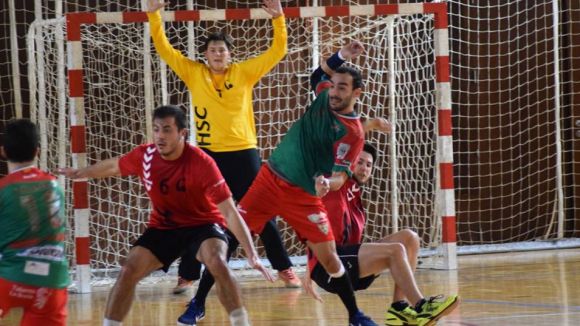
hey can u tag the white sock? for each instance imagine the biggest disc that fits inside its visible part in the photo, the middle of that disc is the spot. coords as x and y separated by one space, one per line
239 317
108 322
340 272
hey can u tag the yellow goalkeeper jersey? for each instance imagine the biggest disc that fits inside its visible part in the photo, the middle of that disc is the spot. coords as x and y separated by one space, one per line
223 114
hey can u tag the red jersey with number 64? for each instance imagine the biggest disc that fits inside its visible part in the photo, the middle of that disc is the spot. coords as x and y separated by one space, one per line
184 192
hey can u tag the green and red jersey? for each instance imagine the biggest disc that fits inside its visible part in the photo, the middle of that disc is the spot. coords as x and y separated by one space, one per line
32 224
319 143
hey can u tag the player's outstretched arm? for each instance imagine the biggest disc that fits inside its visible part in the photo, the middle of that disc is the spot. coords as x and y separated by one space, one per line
102 169
179 63
381 124
323 185
240 230
258 66
328 66
154 5
273 7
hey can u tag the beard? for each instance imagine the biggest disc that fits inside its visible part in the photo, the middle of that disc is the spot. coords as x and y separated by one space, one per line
339 105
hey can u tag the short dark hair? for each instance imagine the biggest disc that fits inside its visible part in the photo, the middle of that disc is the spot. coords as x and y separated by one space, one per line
216 37
174 111
355 74
371 150
20 140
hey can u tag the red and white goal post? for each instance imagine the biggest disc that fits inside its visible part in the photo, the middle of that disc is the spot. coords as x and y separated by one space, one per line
115 78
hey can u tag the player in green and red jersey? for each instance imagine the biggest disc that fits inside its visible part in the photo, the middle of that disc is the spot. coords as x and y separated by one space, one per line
33 265
314 158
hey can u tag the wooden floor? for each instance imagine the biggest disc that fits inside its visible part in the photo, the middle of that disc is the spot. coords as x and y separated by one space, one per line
530 288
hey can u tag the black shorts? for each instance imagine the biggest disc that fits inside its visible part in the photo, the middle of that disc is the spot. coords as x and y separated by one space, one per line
239 169
349 257
168 245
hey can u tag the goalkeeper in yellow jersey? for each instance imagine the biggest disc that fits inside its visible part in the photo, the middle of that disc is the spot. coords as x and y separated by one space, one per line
221 92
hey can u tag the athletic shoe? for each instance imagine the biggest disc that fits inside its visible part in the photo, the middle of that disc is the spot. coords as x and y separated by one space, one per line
359 319
406 317
192 314
290 279
182 285
435 308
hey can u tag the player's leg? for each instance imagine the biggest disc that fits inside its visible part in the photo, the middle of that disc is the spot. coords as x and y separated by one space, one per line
189 270
239 169
278 256
41 306
49 307
140 263
374 258
212 253
326 254
196 308
429 310
153 250
410 240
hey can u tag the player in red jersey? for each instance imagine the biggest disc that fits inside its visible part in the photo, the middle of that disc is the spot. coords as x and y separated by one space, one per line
190 200
366 261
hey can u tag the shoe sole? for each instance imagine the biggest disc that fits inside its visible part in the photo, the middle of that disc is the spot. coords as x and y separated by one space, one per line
179 291
443 313
196 320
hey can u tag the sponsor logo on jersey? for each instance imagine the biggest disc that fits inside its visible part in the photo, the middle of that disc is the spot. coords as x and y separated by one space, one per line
350 193
41 299
22 293
54 253
320 220
147 158
36 268
342 150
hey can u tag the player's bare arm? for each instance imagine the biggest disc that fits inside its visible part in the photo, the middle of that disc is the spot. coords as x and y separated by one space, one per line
102 169
381 124
273 7
240 230
323 185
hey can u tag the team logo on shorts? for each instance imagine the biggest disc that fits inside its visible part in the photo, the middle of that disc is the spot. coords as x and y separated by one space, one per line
342 150
320 220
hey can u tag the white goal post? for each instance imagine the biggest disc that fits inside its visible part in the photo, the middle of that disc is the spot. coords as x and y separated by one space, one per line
114 79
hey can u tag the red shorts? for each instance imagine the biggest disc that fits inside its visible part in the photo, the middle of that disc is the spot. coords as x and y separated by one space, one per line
42 306
270 196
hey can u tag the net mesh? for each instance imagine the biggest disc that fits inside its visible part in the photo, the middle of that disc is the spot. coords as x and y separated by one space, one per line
116 117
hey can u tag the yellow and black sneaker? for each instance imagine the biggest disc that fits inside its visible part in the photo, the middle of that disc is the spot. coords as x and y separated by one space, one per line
435 308
406 317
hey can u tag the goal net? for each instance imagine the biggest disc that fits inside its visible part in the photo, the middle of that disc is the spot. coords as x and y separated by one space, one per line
123 80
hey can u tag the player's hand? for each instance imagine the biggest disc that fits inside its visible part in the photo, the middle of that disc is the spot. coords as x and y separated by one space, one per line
310 288
322 186
352 50
273 7
69 173
380 124
154 5
255 263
